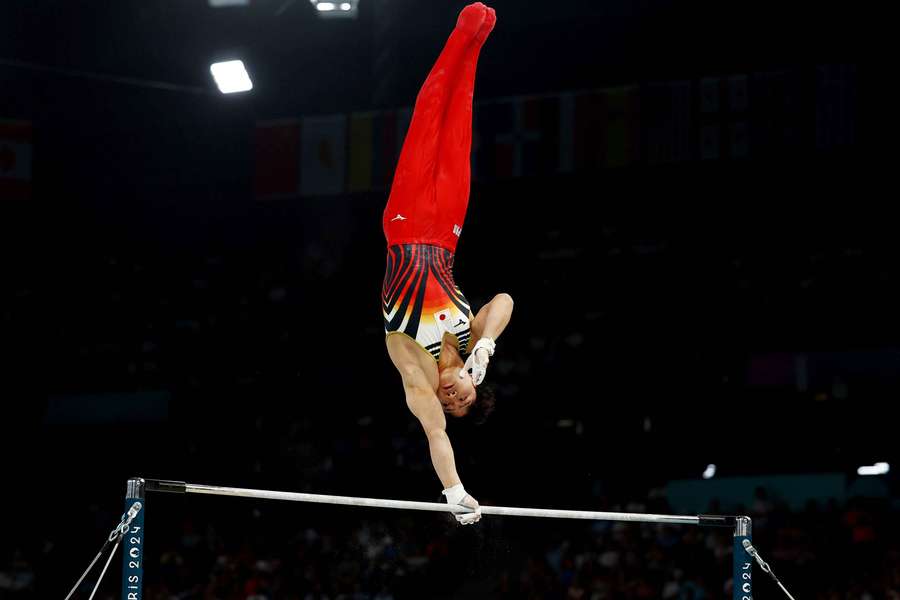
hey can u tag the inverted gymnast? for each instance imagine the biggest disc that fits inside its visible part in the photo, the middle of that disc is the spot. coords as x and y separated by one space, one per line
428 323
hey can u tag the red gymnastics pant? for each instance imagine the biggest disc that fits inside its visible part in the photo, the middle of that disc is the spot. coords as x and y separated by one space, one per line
430 192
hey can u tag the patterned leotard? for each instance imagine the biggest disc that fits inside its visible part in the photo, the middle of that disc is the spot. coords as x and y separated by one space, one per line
420 299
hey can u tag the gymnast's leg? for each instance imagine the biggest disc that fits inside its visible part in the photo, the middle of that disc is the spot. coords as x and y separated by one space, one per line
453 171
414 178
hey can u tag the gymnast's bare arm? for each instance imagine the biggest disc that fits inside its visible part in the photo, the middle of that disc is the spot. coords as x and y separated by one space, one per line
492 319
420 380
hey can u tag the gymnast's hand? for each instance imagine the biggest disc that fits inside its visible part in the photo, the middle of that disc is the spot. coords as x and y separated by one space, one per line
477 363
458 495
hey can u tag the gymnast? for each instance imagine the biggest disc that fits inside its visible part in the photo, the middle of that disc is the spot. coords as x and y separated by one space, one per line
428 323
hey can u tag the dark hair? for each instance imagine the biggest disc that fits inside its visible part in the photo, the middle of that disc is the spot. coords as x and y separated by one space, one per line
485 402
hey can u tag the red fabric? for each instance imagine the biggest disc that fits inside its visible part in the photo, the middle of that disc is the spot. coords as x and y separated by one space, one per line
277 159
430 192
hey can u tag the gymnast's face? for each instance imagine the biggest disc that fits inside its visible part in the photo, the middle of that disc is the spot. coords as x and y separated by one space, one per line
456 395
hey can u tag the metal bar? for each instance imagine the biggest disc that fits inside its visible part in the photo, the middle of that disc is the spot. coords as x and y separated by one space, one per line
213 490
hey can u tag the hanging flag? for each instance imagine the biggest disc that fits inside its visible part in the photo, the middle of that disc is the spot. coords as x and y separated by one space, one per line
623 132
386 142
494 156
710 118
723 118
738 94
606 128
567 103
710 92
517 138
835 106
776 122
15 160
739 139
738 110
323 154
277 159
361 142
538 148
666 114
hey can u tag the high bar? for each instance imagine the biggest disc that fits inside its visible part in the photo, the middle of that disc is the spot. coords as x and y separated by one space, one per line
180 487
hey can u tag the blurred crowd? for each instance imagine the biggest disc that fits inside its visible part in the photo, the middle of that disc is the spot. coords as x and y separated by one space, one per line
826 552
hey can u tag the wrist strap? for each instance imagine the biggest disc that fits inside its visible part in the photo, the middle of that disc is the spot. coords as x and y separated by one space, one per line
487 344
455 494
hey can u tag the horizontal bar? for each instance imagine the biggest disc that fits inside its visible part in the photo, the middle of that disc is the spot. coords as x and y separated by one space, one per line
213 490
162 485
718 521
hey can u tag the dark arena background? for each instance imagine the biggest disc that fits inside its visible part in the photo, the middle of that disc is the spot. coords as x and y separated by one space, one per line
675 195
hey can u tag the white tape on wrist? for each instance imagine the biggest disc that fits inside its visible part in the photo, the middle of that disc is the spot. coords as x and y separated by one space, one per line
455 494
485 343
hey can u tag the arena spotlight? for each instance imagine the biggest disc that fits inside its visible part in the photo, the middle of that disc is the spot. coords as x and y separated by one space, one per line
231 77
879 468
341 9
710 472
